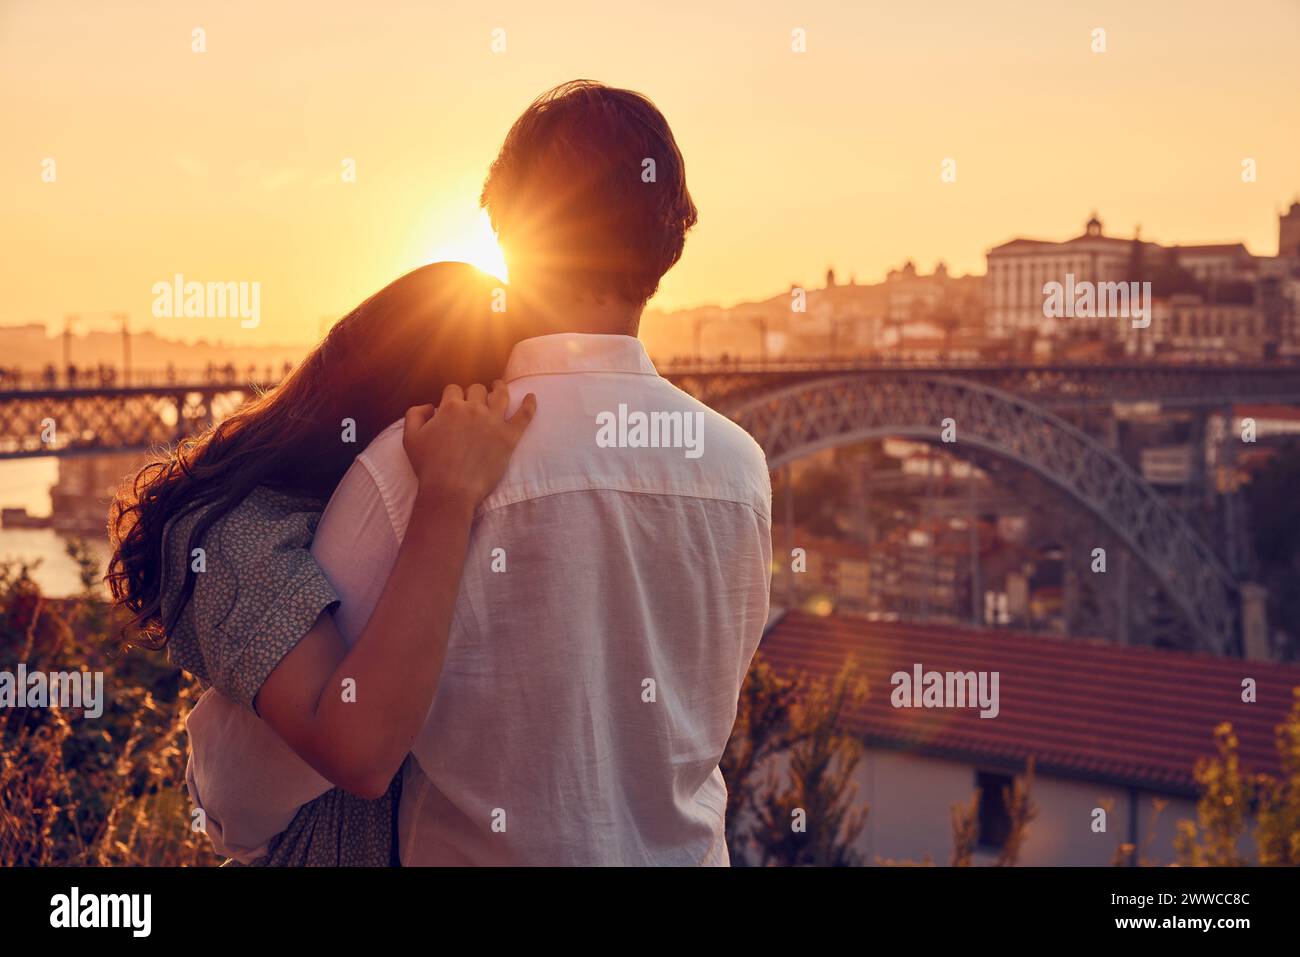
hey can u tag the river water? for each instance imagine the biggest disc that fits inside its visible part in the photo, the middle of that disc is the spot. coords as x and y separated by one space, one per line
25 483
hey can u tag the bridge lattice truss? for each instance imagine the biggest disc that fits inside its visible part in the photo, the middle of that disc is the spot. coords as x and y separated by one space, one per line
1060 387
789 421
805 418
133 418
94 421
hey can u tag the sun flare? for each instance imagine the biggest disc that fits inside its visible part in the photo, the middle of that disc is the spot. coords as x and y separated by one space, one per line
477 245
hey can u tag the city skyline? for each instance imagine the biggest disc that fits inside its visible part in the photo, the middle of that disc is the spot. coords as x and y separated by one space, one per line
843 145
106 320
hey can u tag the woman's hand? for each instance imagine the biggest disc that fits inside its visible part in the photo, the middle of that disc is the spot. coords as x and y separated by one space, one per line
459 453
460 450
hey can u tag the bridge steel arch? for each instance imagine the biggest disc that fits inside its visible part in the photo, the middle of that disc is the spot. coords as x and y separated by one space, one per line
799 420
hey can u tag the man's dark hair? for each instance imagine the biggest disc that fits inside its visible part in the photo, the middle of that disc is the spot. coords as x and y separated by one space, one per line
590 188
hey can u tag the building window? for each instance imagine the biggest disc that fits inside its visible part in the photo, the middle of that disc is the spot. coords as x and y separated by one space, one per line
994 817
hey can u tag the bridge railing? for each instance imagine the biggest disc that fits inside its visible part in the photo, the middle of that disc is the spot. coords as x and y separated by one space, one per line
687 365
110 377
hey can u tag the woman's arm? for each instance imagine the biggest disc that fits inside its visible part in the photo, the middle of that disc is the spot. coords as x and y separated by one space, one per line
359 740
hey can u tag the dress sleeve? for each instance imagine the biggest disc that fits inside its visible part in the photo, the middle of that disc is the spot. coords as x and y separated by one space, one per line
260 593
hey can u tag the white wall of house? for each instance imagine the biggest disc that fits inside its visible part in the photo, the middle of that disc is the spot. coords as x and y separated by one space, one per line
911 798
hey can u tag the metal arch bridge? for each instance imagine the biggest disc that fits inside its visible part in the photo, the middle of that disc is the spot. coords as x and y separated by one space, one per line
794 409
155 411
806 417
1064 387
103 420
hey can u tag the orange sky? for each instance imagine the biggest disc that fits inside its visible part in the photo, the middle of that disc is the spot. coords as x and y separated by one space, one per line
225 165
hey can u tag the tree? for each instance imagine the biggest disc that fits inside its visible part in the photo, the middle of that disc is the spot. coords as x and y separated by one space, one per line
811 819
762 729
1277 832
965 831
1221 811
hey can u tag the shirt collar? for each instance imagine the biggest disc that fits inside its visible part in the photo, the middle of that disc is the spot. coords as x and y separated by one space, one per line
570 352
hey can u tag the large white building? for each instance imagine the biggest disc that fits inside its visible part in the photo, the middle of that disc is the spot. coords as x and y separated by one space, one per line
1018 270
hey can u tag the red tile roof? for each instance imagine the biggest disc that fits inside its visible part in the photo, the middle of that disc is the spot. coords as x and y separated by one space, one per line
1132 716
1267 411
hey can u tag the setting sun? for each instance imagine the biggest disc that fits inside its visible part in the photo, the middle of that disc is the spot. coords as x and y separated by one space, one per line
475 244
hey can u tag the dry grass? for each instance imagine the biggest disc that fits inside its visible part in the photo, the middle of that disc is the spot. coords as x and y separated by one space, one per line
106 791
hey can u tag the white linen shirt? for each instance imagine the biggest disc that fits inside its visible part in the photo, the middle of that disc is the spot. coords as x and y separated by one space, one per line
615 590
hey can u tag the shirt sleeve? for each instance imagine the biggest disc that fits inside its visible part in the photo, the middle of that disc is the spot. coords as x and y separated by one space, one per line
356 545
260 594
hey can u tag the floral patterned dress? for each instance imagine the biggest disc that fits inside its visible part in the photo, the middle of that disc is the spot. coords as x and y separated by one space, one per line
260 591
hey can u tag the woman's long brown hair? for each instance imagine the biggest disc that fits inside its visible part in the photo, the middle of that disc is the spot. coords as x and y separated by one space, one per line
399 348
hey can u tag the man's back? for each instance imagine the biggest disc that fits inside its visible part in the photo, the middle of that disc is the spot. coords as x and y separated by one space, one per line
615 589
